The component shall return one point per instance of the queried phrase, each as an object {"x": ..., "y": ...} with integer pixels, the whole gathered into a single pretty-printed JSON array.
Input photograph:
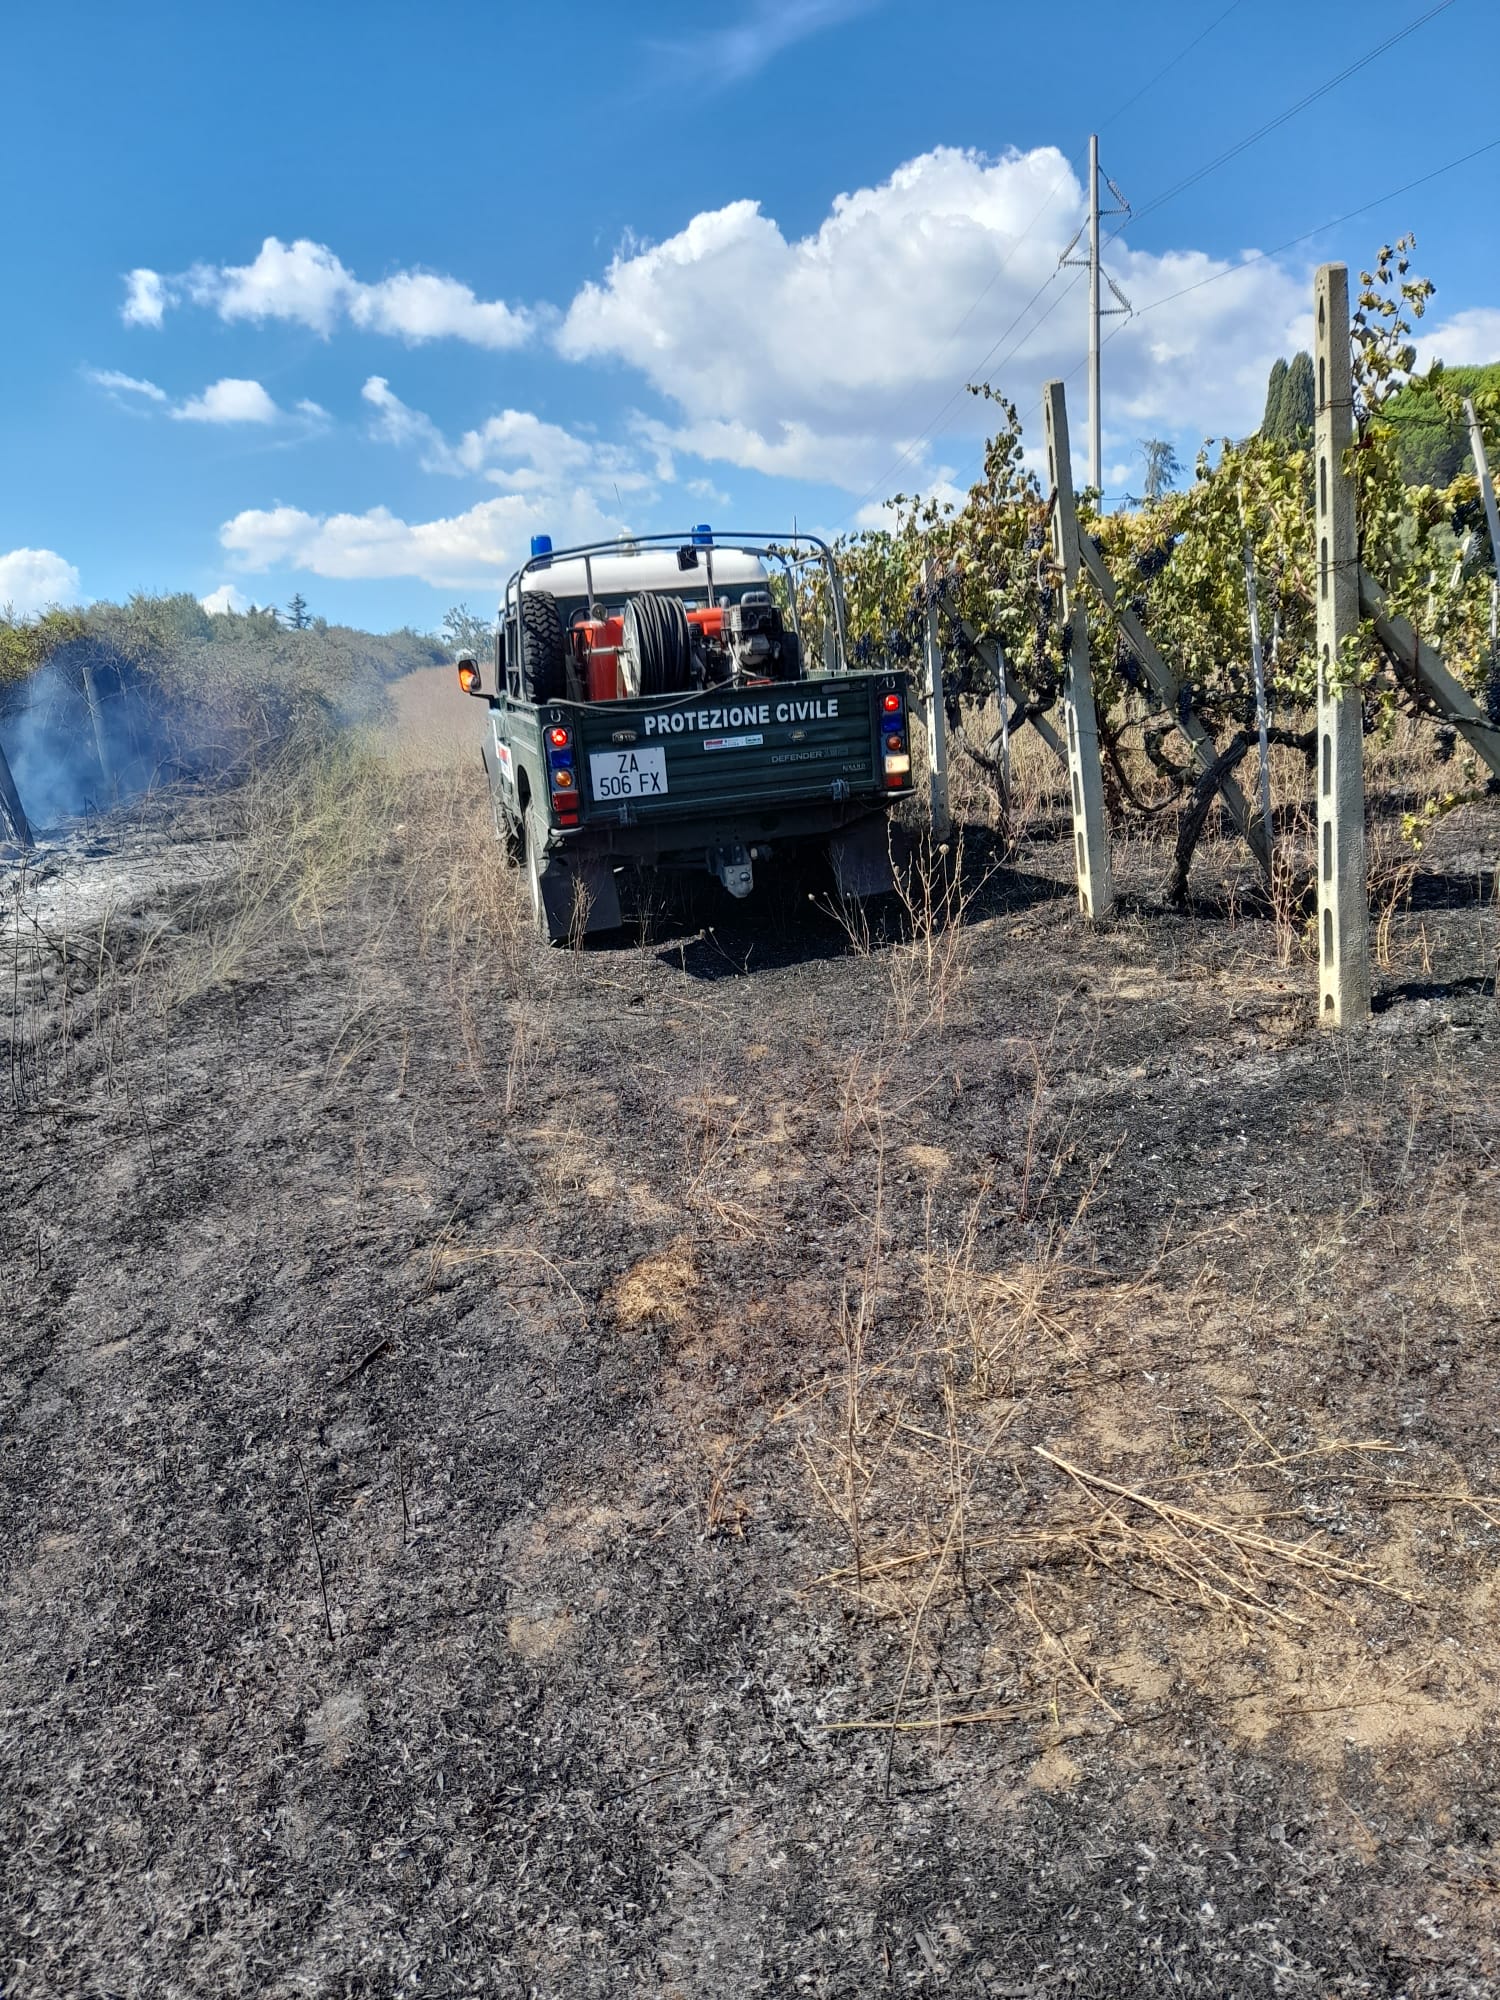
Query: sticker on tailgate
[{"x": 628, "y": 774}]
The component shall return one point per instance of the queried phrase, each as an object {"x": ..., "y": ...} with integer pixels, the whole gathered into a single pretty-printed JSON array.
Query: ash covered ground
[{"x": 525, "y": 1470}]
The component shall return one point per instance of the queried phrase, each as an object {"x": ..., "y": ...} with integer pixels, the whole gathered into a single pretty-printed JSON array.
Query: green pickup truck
[{"x": 685, "y": 702}]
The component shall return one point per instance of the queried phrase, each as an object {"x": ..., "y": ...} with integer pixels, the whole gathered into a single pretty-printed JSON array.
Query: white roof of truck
[{"x": 617, "y": 575}]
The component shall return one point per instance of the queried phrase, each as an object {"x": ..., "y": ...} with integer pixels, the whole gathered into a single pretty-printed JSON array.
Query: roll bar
[{"x": 789, "y": 550}]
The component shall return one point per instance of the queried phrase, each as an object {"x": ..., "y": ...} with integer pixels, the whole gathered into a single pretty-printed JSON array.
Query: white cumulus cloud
[
  {"x": 230, "y": 401},
  {"x": 145, "y": 299},
  {"x": 572, "y": 487},
  {"x": 225, "y": 598},
  {"x": 31, "y": 579},
  {"x": 1470, "y": 339},
  {"x": 819, "y": 356},
  {"x": 418, "y": 305},
  {"x": 303, "y": 282},
  {"x": 306, "y": 284},
  {"x": 471, "y": 549},
  {"x": 514, "y": 449}
]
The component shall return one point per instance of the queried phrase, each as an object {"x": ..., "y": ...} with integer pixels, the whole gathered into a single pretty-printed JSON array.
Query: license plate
[{"x": 628, "y": 774}]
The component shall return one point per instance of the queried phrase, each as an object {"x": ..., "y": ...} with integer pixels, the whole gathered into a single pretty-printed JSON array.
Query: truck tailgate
[{"x": 689, "y": 753}]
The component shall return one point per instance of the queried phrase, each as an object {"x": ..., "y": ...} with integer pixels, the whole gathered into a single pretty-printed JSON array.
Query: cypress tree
[
  {"x": 1270, "y": 423},
  {"x": 1299, "y": 408}
]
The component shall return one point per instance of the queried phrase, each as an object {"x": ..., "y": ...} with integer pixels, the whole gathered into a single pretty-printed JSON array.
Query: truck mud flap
[
  {"x": 861, "y": 856},
  {"x": 565, "y": 880}
]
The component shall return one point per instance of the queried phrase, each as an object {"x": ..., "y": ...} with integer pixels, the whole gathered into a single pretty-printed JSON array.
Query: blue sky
[{"x": 411, "y": 282}]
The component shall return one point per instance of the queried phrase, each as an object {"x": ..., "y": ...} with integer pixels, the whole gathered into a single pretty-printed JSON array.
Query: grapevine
[{"x": 1179, "y": 563}]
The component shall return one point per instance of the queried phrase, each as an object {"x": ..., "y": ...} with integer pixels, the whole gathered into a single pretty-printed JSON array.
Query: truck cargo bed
[{"x": 682, "y": 755}]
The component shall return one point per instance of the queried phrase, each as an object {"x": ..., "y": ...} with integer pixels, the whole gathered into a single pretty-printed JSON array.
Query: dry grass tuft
[{"x": 660, "y": 1289}]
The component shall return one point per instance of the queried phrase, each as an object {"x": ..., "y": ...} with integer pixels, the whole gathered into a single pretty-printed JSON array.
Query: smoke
[
  {"x": 157, "y": 691},
  {"x": 71, "y": 755}
]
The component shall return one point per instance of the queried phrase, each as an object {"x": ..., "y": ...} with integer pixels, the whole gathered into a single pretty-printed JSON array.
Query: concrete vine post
[
  {"x": 1492, "y": 519},
  {"x": 1343, "y": 896},
  {"x": 1096, "y": 889}
]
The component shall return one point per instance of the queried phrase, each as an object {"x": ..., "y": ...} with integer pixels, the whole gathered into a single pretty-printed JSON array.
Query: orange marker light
[{"x": 468, "y": 677}]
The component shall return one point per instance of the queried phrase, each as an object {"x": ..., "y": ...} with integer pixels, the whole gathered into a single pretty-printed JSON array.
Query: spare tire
[
  {"x": 656, "y": 649},
  {"x": 544, "y": 651}
]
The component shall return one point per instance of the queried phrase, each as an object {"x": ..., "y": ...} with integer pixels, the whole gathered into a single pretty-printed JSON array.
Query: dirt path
[{"x": 480, "y": 1426}]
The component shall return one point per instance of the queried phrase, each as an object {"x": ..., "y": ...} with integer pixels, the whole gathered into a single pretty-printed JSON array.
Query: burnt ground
[{"x": 522, "y": 1469}]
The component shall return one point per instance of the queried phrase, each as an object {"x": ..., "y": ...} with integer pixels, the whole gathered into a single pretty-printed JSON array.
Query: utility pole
[
  {"x": 1097, "y": 312},
  {"x": 1096, "y": 447}
]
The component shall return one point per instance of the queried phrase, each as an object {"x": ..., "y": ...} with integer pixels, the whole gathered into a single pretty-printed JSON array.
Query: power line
[
  {"x": 1265, "y": 256},
  {"x": 922, "y": 437},
  {"x": 1167, "y": 68},
  {"x": 1004, "y": 264},
  {"x": 1201, "y": 173},
  {"x": 1006, "y": 359},
  {"x": 970, "y": 374},
  {"x": 1284, "y": 117},
  {"x": 1118, "y": 113},
  {"x": 1159, "y": 201}
]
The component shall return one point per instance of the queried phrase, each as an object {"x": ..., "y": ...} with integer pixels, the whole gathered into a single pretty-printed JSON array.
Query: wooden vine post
[
  {"x": 1096, "y": 890},
  {"x": 1343, "y": 900},
  {"x": 101, "y": 737},
  {"x": 11, "y": 809}
]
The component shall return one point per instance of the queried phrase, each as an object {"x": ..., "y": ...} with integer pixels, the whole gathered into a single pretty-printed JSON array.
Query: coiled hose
[{"x": 656, "y": 649}]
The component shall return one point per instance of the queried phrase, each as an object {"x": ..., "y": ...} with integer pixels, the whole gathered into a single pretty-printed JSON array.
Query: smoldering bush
[{"x": 103, "y": 705}]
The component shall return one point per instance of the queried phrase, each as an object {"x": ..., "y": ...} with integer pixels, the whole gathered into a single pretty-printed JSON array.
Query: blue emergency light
[
  {"x": 703, "y": 536},
  {"x": 541, "y": 545}
]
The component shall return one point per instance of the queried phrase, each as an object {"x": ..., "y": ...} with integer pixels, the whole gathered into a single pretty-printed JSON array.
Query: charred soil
[{"x": 761, "y": 1459}]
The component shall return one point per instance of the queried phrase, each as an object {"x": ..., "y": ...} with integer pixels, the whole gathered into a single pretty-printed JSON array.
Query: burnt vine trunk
[{"x": 1190, "y": 829}]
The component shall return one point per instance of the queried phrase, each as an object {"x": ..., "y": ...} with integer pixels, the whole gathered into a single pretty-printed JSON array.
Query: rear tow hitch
[{"x": 731, "y": 863}]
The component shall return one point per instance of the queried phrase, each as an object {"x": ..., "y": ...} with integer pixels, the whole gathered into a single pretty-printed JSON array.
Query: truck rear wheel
[
  {"x": 544, "y": 651},
  {"x": 656, "y": 650},
  {"x": 543, "y": 921},
  {"x": 508, "y": 831}
]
